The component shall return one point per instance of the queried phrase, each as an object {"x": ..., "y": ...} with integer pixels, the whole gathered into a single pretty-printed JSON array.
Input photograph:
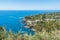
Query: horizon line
[{"x": 22, "y": 10}]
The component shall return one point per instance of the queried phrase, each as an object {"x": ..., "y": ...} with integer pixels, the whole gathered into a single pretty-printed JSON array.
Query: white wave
[
  {"x": 20, "y": 17},
  {"x": 12, "y": 17},
  {"x": 15, "y": 17}
]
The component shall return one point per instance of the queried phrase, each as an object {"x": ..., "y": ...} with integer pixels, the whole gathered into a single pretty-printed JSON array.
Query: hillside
[{"x": 47, "y": 21}]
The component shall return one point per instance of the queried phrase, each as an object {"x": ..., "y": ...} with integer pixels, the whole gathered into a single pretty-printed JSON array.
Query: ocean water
[{"x": 11, "y": 19}]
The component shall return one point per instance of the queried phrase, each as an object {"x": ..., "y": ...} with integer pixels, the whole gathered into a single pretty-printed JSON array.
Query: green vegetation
[
  {"x": 52, "y": 15},
  {"x": 43, "y": 35},
  {"x": 48, "y": 22},
  {"x": 47, "y": 28}
]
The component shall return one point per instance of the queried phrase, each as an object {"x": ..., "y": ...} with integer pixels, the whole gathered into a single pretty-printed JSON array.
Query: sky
[{"x": 29, "y": 4}]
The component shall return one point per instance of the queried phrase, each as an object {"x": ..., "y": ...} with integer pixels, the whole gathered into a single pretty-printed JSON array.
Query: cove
[{"x": 11, "y": 19}]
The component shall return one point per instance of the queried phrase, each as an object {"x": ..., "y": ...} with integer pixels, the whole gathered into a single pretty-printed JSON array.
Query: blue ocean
[{"x": 11, "y": 19}]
